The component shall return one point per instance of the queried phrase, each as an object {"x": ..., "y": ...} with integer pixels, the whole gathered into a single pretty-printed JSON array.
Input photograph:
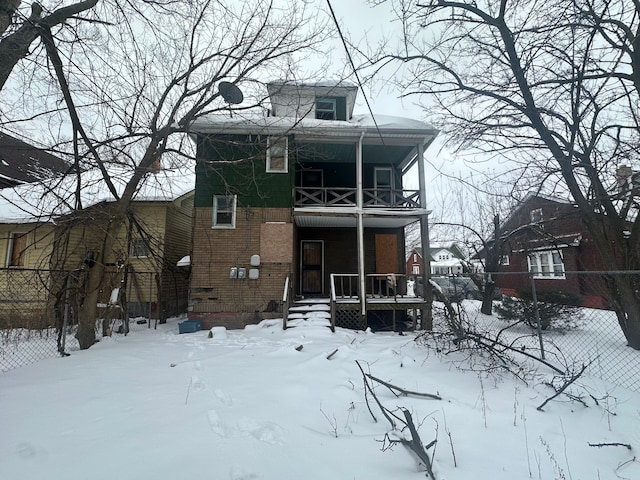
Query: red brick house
[{"x": 546, "y": 236}]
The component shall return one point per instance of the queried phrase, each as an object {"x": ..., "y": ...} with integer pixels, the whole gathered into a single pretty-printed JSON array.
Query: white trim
[
  {"x": 234, "y": 202},
  {"x": 549, "y": 263},
  {"x": 272, "y": 144}
]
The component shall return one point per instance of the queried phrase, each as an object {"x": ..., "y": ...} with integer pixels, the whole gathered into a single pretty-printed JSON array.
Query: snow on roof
[
  {"x": 53, "y": 197},
  {"x": 267, "y": 125}
]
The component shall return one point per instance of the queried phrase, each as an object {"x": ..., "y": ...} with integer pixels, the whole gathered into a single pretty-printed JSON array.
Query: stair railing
[{"x": 286, "y": 301}]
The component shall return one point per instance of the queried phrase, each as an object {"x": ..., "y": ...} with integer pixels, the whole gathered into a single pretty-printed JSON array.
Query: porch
[
  {"x": 385, "y": 296},
  {"x": 346, "y": 197}
]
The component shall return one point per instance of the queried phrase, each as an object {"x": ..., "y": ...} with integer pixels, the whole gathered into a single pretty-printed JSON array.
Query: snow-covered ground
[{"x": 252, "y": 404}]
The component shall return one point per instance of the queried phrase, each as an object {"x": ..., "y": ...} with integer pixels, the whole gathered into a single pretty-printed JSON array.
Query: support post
[
  {"x": 360, "y": 229},
  {"x": 427, "y": 318}
]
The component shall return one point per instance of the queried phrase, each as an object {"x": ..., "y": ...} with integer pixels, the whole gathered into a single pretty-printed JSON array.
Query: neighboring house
[
  {"x": 309, "y": 196},
  {"x": 43, "y": 240},
  {"x": 445, "y": 260},
  {"x": 546, "y": 236},
  {"x": 24, "y": 163},
  {"x": 415, "y": 263}
]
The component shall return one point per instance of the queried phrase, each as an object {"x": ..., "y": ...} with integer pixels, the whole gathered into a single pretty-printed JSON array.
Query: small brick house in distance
[
  {"x": 546, "y": 236},
  {"x": 304, "y": 201}
]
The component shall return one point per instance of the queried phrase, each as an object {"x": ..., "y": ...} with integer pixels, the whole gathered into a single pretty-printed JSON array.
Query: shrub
[{"x": 555, "y": 309}]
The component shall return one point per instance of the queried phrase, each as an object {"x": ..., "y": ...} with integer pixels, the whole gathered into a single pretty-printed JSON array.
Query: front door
[
  {"x": 312, "y": 264},
  {"x": 383, "y": 178}
]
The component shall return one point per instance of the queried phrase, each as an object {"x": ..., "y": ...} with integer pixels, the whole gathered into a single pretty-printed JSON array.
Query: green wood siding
[{"x": 236, "y": 165}]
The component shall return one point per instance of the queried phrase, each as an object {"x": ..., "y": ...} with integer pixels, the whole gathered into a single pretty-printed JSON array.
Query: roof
[
  {"x": 371, "y": 127},
  {"x": 49, "y": 199},
  {"x": 530, "y": 196},
  {"x": 21, "y": 162}
]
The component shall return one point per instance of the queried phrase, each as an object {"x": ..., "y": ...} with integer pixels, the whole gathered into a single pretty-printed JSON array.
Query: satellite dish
[{"x": 231, "y": 93}]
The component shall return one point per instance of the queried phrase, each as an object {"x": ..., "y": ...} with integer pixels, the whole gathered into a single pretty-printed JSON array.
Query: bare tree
[
  {"x": 132, "y": 87},
  {"x": 16, "y": 45},
  {"x": 555, "y": 88}
]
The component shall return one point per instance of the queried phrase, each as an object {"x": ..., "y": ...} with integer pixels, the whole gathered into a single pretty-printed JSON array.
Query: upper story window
[
  {"x": 277, "y": 154},
  {"x": 17, "y": 247},
  {"x": 224, "y": 211},
  {"x": 546, "y": 264},
  {"x": 139, "y": 248},
  {"x": 536, "y": 215},
  {"x": 326, "y": 108}
]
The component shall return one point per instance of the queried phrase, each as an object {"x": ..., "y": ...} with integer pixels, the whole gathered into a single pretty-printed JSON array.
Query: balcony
[{"x": 346, "y": 197}]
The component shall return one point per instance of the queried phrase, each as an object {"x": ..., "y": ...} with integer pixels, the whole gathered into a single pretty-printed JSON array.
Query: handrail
[
  {"x": 285, "y": 303},
  {"x": 346, "y": 197}
]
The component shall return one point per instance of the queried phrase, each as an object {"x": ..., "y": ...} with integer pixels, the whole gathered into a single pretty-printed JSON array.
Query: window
[
  {"x": 415, "y": 269},
  {"x": 383, "y": 179},
  {"x": 536, "y": 215},
  {"x": 326, "y": 108},
  {"x": 504, "y": 260},
  {"x": 139, "y": 248},
  {"x": 17, "y": 247},
  {"x": 546, "y": 264},
  {"x": 224, "y": 211},
  {"x": 277, "y": 155}
]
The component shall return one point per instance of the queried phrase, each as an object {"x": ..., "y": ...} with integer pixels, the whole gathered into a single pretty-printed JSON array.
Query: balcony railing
[{"x": 346, "y": 197}]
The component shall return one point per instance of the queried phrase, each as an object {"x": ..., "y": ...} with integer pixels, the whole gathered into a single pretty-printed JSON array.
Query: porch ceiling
[{"x": 328, "y": 220}]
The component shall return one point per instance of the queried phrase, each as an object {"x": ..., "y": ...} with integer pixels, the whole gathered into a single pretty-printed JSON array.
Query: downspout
[
  {"x": 427, "y": 320},
  {"x": 360, "y": 229}
]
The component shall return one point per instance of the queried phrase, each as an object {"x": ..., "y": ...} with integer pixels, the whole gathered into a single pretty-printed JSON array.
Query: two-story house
[
  {"x": 304, "y": 202},
  {"x": 544, "y": 236},
  {"x": 445, "y": 259}
]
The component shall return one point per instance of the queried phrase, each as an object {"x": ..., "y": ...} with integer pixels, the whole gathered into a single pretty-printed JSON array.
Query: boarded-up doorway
[
  {"x": 386, "y": 253},
  {"x": 312, "y": 263}
]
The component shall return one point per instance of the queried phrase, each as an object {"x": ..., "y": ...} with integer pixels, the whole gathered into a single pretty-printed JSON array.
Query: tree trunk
[
  {"x": 626, "y": 304},
  {"x": 492, "y": 264},
  {"x": 95, "y": 278},
  {"x": 487, "y": 298},
  {"x": 16, "y": 46}
]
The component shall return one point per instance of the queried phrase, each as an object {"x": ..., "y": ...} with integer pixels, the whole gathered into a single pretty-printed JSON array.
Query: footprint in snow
[
  {"x": 240, "y": 473},
  {"x": 223, "y": 397},
  {"x": 267, "y": 432},
  {"x": 216, "y": 424}
]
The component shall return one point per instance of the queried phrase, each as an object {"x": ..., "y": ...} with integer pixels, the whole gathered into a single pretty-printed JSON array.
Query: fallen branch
[
  {"x": 402, "y": 391},
  {"x": 490, "y": 345},
  {"x": 564, "y": 387},
  {"x": 614, "y": 444},
  {"x": 332, "y": 354},
  {"x": 415, "y": 444}
]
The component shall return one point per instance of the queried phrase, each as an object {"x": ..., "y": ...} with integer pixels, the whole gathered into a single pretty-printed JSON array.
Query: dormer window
[
  {"x": 326, "y": 108},
  {"x": 536, "y": 215}
]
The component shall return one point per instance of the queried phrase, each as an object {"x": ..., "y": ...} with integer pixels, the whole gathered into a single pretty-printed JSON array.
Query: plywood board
[{"x": 276, "y": 242}]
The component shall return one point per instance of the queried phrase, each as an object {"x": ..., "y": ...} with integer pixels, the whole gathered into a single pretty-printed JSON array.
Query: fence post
[
  {"x": 65, "y": 317},
  {"x": 536, "y": 313},
  {"x": 150, "y": 293}
]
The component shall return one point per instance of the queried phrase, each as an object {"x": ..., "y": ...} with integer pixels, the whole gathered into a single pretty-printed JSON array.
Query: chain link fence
[
  {"x": 39, "y": 311},
  {"x": 565, "y": 318}
]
